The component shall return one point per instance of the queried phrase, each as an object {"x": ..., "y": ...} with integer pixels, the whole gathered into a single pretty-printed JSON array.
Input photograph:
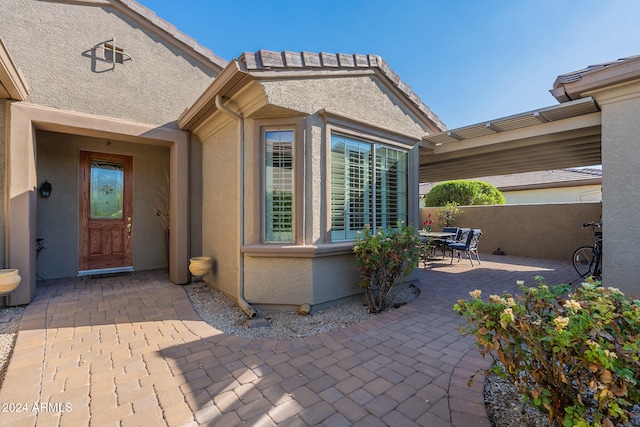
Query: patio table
[
  {"x": 429, "y": 253},
  {"x": 437, "y": 234}
]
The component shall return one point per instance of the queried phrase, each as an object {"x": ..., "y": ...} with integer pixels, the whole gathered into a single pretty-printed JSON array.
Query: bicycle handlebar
[{"x": 592, "y": 224}]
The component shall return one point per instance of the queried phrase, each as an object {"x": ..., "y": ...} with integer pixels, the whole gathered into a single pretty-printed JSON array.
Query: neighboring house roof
[
  {"x": 573, "y": 85},
  {"x": 269, "y": 64},
  {"x": 146, "y": 17},
  {"x": 536, "y": 180}
]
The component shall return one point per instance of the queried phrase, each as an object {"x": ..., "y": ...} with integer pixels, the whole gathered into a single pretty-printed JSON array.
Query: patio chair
[
  {"x": 442, "y": 243},
  {"x": 468, "y": 245}
]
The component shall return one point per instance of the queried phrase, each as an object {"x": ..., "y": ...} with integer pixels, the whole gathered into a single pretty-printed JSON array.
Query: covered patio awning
[{"x": 560, "y": 136}]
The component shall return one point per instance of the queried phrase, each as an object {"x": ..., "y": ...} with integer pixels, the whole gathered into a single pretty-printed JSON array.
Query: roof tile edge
[
  {"x": 150, "y": 16},
  {"x": 269, "y": 60}
]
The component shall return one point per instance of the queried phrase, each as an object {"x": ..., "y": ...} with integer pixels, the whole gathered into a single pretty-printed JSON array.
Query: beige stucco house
[
  {"x": 291, "y": 144},
  {"x": 103, "y": 100},
  {"x": 274, "y": 160}
]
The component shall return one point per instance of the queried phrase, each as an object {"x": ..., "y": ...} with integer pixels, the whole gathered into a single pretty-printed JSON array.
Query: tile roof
[
  {"x": 270, "y": 60},
  {"x": 577, "y": 75},
  {"x": 540, "y": 179}
]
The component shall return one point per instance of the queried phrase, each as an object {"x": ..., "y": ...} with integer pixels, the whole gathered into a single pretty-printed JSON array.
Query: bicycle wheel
[{"x": 582, "y": 260}]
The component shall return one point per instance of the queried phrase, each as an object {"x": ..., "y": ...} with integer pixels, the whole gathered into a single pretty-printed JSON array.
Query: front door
[{"x": 106, "y": 213}]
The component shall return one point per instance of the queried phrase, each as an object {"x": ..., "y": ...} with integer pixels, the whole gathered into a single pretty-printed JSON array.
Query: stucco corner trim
[
  {"x": 11, "y": 79},
  {"x": 298, "y": 251}
]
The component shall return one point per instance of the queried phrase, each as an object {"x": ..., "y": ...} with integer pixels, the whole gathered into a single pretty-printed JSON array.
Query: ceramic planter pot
[
  {"x": 200, "y": 265},
  {"x": 9, "y": 280}
]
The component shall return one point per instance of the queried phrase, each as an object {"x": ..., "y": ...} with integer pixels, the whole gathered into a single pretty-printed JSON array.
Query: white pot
[
  {"x": 9, "y": 280},
  {"x": 200, "y": 265}
]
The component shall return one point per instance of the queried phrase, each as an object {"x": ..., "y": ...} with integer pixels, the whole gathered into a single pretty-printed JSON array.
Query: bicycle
[{"x": 587, "y": 260}]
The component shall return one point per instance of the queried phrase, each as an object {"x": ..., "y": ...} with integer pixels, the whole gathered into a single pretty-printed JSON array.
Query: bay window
[{"x": 369, "y": 185}]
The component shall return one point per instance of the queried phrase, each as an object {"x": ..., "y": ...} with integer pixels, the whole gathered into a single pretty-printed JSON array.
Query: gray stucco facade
[{"x": 60, "y": 49}]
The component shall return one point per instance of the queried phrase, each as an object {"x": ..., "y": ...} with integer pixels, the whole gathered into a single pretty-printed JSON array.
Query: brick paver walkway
[{"x": 130, "y": 351}]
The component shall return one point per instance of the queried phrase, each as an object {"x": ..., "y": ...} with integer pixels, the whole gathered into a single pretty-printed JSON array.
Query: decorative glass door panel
[
  {"x": 107, "y": 185},
  {"x": 106, "y": 213}
]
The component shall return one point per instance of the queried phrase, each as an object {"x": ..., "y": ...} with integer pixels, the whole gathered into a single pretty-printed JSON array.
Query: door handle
[{"x": 129, "y": 225}]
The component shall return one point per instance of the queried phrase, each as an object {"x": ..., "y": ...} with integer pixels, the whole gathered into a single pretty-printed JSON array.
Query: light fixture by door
[{"x": 45, "y": 189}]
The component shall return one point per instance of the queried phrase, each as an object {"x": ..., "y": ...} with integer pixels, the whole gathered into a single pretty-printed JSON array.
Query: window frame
[
  {"x": 339, "y": 124},
  {"x": 277, "y": 125},
  {"x": 374, "y": 195}
]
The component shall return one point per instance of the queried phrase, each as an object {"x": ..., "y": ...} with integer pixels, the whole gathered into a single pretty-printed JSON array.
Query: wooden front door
[{"x": 106, "y": 213}]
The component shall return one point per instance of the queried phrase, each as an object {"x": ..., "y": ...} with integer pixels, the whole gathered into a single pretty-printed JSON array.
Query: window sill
[{"x": 298, "y": 251}]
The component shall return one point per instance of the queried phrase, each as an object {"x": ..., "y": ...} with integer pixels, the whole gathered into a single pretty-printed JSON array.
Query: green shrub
[
  {"x": 384, "y": 259},
  {"x": 463, "y": 193},
  {"x": 448, "y": 214},
  {"x": 575, "y": 357}
]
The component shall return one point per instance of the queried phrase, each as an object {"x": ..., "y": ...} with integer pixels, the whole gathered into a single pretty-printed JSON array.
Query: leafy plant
[
  {"x": 384, "y": 259},
  {"x": 448, "y": 214},
  {"x": 463, "y": 193},
  {"x": 574, "y": 357},
  {"x": 428, "y": 223}
]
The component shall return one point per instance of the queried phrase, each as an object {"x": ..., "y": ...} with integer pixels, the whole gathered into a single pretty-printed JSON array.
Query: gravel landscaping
[
  {"x": 223, "y": 314},
  {"x": 9, "y": 324}
]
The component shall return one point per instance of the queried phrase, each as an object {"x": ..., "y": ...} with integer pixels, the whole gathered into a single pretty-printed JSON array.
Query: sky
[{"x": 470, "y": 61}]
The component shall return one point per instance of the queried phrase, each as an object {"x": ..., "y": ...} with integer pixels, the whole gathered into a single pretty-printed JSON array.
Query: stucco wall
[
  {"x": 2, "y": 174},
  {"x": 582, "y": 193},
  {"x": 284, "y": 282},
  {"x": 57, "y": 216},
  {"x": 53, "y": 44},
  {"x": 621, "y": 166},
  {"x": 220, "y": 214},
  {"x": 363, "y": 98},
  {"x": 278, "y": 281},
  {"x": 335, "y": 277},
  {"x": 550, "y": 231}
]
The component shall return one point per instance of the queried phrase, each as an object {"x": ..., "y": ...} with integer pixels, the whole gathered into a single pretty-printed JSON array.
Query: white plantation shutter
[
  {"x": 364, "y": 192},
  {"x": 391, "y": 187},
  {"x": 279, "y": 186}
]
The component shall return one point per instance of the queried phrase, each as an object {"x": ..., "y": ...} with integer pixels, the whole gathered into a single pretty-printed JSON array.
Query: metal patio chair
[{"x": 469, "y": 245}]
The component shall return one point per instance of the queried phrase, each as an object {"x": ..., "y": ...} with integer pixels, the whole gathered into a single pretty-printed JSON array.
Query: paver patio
[{"x": 130, "y": 351}]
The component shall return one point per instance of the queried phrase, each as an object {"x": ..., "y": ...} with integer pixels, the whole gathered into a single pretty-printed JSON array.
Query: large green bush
[
  {"x": 463, "y": 193},
  {"x": 575, "y": 357},
  {"x": 384, "y": 259}
]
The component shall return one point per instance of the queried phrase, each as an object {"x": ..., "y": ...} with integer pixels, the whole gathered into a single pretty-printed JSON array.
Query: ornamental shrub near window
[
  {"x": 573, "y": 356},
  {"x": 384, "y": 259}
]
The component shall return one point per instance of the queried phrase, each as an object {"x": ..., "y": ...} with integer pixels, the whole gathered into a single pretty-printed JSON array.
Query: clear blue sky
[{"x": 469, "y": 61}]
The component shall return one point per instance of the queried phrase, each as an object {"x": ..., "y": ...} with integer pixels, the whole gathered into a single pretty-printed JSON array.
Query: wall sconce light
[{"x": 45, "y": 189}]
